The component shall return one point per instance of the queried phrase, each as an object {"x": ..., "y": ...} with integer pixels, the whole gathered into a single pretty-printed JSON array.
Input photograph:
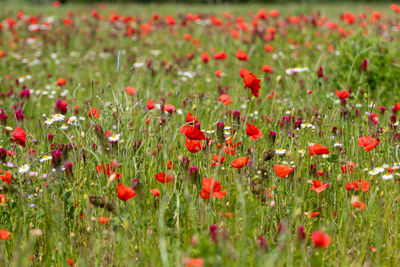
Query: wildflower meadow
[{"x": 199, "y": 135}]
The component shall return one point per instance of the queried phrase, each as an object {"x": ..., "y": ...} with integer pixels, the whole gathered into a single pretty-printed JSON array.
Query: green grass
[{"x": 50, "y": 217}]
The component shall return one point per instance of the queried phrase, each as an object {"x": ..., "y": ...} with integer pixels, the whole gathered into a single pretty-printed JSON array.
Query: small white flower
[
  {"x": 73, "y": 121},
  {"x": 302, "y": 151},
  {"x": 227, "y": 128},
  {"x": 138, "y": 64},
  {"x": 23, "y": 169},
  {"x": 280, "y": 151},
  {"x": 337, "y": 144},
  {"x": 210, "y": 131},
  {"x": 49, "y": 121},
  {"x": 372, "y": 172},
  {"x": 114, "y": 138},
  {"x": 64, "y": 127},
  {"x": 387, "y": 176},
  {"x": 379, "y": 169},
  {"x": 58, "y": 117},
  {"x": 307, "y": 125},
  {"x": 325, "y": 156},
  {"x": 45, "y": 158}
]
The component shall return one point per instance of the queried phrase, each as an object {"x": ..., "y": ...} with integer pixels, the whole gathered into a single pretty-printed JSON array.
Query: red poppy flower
[
  {"x": 359, "y": 205},
  {"x": 211, "y": 185},
  {"x": 321, "y": 239},
  {"x": 155, "y": 192},
  {"x": 105, "y": 168},
  {"x": 190, "y": 118},
  {"x": 349, "y": 167},
  {"x": 125, "y": 192},
  {"x": 103, "y": 220},
  {"x": 6, "y": 177},
  {"x": 282, "y": 170},
  {"x": 163, "y": 178},
  {"x": 267, "y": 69},
  {"x": 192, "y": 133},
  {"x": 253, "y": 131},
  {"x": 61, "y": 82},
  {"x": 19, "y": 136},
  {"x": 170, "y": 20},
  {"x": 318, "y": 186},
  {"x": 195, "y": 262},
  {"x": 240, "y": 162},
  {"x": 250, "y": 81},
  {"x": 94, "y": 113},
  {"x": 367, "y": 142},
  {"x": 225, "y": 99},
  {"x": 193, "y": 146},
  {"x": 357, "y": 185},
  {"x": 150, "y": 104},
  {"x": 220, "y": 55},
  {"x": 205, "y": 57},
  {"x": 5, "y": 235},
  {"x": 217, "y": 160},
  {"x": 268, "y": 48},
  {"x": 218, "y": 73},
  {"x": 70, "y": 262},
  {"x": 3, "y": 198},
  {"x": 342, "y": 94},
  {"x": 395, "y": 8},
  {"x": 130, "y": 90},
  {"x": 169, "y": 108},
  {"x": 241, "y": 55},
  {"x": 317, "y": 149}
]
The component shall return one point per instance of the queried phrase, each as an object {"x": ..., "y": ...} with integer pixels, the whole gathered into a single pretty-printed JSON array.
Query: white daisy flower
[
  {"x": 114, "y": 138},
  {"x": 45, "y": 158},
  {"x": 23, "y": 168},
  {"x": 379, "y": 169},
  {"x": 337, "y": 144},
  {"x": 64, "y": 127},
  {"x": 387, "y": 176},
  {"x": 73, "y": 121},
  {"x": 372, "y": 172},
  {"x": 49, "y": 121},
  {"x": 280, "y": 151},
  {"x": 58, "y": 117},
  {"x": 210, "y": 131},
  {"x": 302, "y": 151},
  {"x": 307, "y": 125}
]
